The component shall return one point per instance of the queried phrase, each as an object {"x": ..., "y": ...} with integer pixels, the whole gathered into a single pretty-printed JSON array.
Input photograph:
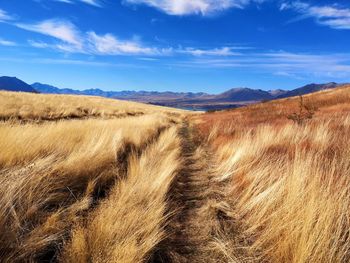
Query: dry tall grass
[
  {"x": 43, "y": 107},
  {"x": 289, "y": 190},
  {"x": 73, "y": 141},
  {"x": 254, "y": 187},
  {"x": 52, "y": 173},
  {"x": 87, "y": 190},
  {"x": 286, "y": 187},
  {"x": 229, "y": 125},
  {"x": 130, "y": 223}
]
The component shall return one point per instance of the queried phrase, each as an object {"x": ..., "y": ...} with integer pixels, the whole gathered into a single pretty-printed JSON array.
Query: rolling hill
[
  {"x": 15, "y": 84},
  {"x": 309, "y": 89},
  {"x": 286, "y": 183}
]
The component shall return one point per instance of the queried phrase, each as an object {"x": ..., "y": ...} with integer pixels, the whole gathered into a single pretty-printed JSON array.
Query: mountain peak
[
  {"x": 15, "y": 84},
  {"x": 244, "y": 94}
]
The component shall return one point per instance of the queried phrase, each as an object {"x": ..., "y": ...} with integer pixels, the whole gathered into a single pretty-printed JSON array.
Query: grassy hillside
[
  {"x": 42, "y": 107},
  {"x": 286, "y": 187},
  {"x": 68, "y": 164},
  {"x": 86, "y": 179},
  {"x": 226, "y": 125}
]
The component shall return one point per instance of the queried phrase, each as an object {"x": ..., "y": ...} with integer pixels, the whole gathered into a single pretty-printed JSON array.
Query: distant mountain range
[
  {"x": 199, "y": 101},
  {"x": 148, "y": 96}
]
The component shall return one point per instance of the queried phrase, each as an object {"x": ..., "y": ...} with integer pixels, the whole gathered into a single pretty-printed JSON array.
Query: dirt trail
[{"x": 193, "y": 207}]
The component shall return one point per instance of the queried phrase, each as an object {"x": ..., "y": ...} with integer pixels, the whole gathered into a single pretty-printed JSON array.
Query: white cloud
[
  {"x": 59, "y": 29},
  {"x": 69, "y": 39},
  {"x": 337, "y": 23},
  {"x": 329, "y": 15},
  {"x": 65, "y": 1},
  {"x": 72, "y": 62},
  {"x": 110, "y": 45},
  {"x": 284, "y": 74},
  {"x": 63, "y": 47},
  {"x": 38, "y": 44},
  {"x": 4, "y": 16},
  {"x": 224, "y": 51},
  {"x": 89, "y": 2},
  {"x": 72, "y": 40},
  {"x": 291, "y": 64},
  {"x": 8, "y": 43},
  {"x": 189, "y": 7}
]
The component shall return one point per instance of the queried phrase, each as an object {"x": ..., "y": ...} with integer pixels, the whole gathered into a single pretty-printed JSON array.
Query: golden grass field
[
  {"x": 87, "y": 179},
  {"x": 40, "y": 107}
]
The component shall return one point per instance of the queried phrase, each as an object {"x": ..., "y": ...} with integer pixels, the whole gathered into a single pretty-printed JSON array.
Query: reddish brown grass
[
  {"x": 227, "y": 125},
  {"x": 286, "y": 187}
]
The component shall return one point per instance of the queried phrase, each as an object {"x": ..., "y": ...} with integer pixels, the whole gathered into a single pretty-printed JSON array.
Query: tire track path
[{"x": 192, "y": 202}]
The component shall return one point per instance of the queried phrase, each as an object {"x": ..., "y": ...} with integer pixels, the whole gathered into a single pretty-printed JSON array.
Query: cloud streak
[
  {"x": 330, "y": 15},
  {"x": 193, "y": 7},
  {"x": 59, "y": 29},
  {"x": 224, "y": 52},
  {"x": 8, "y": 43},
  {"x": 89, "y": 2},
  {"x": 285, "y": 64},
  {"x": 71, "y": 40},
  {"x": 108, "y": 44},
  {"x": 4, "y": 16}
]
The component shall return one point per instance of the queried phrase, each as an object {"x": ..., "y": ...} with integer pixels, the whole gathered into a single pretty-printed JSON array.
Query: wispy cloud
[
  {"x": 279, "y": 63},
  {"x": 72, "y": 40},
  {"x": 59, "y": 29},
  {"x": 8, "y": 43},
  {"x": 285, "y": 74},
  {"x": 108, "y": 44},
  {"x": 72, "y": 62},
  {"x": 4, "y": 16},
  {"x": 329, "y": 15},
  {"x": 193, "y": 7},
  {"x": 224, "y": 51},
  {"x": 89, "y": 2}
]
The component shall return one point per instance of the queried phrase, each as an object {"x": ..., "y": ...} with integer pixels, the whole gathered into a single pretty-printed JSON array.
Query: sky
[{"x": 175, "y": 45}]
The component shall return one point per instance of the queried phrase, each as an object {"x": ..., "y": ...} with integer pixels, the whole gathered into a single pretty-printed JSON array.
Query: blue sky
[{"x": 179, "y": 45}]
